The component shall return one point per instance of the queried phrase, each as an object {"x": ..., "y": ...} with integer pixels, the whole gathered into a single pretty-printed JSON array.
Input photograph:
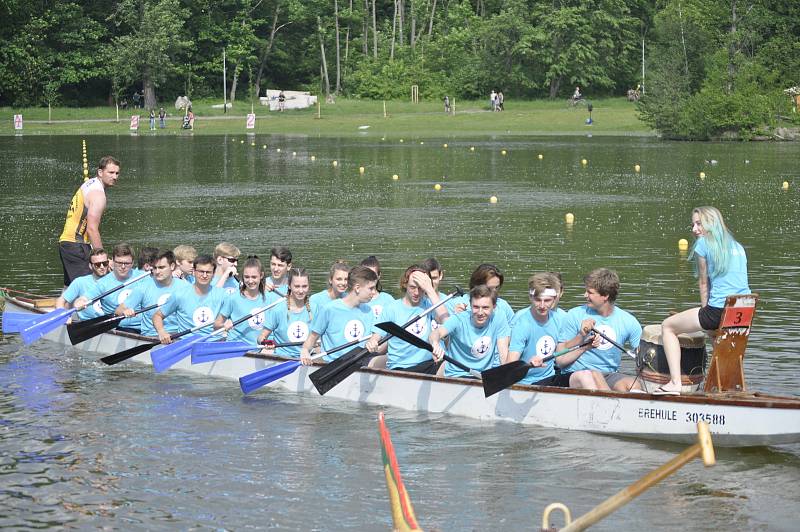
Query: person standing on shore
[
  {"x": 81, "y": 231},
  {"x": 162, "y": 118}
]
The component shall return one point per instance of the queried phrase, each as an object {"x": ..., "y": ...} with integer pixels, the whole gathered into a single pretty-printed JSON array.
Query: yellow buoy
[
  {"x": 584, "y": 162},
  {"x": 86, "y": 164},
  {"x": 637, "y": 168},
  {"x": 313, "y": 157},
  {"x": 702, "y": 175},
  {"x": 570, "y": 218},
  {"x": 493, "y": 199},
  {"x": 503, "y": 152},
  {"x": 395, "y": 177},
  {"x": 253, "y": 144},
  {"x": 241, "y": 142},
  {"x": 683, "y": 244},
  {"x": 264, "y": 147},
  {"x": 472, "y": 148},
  {"x": 85, "y": 172},
  {"x": 401, "y": 140},
  {"x": 785, "y": 185},
  {"x": 541, "y": 156},
  {"x": 278, "y": 150},
  {"x": 444, "y": 145},
  {"x": 361, "y": 169},
  {"x": 437, "y": 186},
  {"x": 294, "y": 154},
  {"x": 335, "y": 163},
  {"x": 422, "y": 142}
]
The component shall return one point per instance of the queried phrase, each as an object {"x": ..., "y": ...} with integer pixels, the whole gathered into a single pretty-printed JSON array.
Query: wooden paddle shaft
[{"x": 702, "y": 448}]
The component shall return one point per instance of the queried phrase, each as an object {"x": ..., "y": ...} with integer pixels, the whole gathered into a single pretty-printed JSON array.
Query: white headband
[{"x": 547, "y": 292}]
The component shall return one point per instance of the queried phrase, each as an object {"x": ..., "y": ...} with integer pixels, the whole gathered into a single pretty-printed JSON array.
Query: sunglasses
[
  {"x": 232, "y": 259},
  {"x": 101, "y": 263}
]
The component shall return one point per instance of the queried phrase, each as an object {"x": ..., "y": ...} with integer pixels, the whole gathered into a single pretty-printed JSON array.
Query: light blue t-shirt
[
  {"x": 620, "y": 326},
  {"x": 83, "y": 286},
  {"x": 735, "y": 279},
  {"x": 237, "y": 306},
  {"x": 501, "y": 307},
  {"x": 149, "y": 292},
  {"x": 192, "y": 309},
  {"x": 288, "y": 327},
  {"x": 338, "y": 324},
  {"x": 379, "y": 304},
  {"x": 531, "y": 338},
  {"x": 474, "y": 347},
  {"x": 401, "y": 354},
  {"x": 110, "y": 303},
  {"x": 319, "y": 300},
  {"x": 230, "y": 286}
]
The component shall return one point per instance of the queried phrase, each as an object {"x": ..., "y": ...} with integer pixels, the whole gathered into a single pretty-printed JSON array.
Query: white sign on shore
[
  {"x": 18, "y": 122},
  {"x": 134, "y": 122},
  {"x": 251, "y": 121}
]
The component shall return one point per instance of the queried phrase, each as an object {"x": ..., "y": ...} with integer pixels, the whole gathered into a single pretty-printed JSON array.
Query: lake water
[{"x": 87, "y": 446}]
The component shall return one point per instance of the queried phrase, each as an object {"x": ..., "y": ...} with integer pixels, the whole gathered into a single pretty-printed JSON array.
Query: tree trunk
[
  {"x": 729, "y": 86},
  {"x": 262, "y": 61},
  {"x": 366, "y": 28},
  {"x": 149, "y": 90},
  {"x": 374, "y": 32},
  {"x": 233, "y": 84},
  {"x": 413, "y": 33},
  {"x": 401, "y": 28},
  {"x": 394, "y": 31},
  {"x": 338, "y": 54},
  {"x": 555, "y": 84},
  {"x": 430, "y": 25},
  {"x": 347, "y": 39},
  {"x": 325, "y": 79}
]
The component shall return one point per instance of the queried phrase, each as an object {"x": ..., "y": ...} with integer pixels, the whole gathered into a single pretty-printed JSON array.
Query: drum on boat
[{"x": 652, "y": 362}]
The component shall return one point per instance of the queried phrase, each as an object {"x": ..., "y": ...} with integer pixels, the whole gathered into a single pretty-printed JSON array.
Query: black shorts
[
  {"x": 75, "y": 259},
  {"x": 559, "y": 379},
  {"x": 710, "y": 317},
  {"x": 429, "y": 367}
]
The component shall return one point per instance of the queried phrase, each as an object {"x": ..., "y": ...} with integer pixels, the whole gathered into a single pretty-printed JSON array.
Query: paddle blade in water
[
  {"x": 209, "y": 352},
  {"x": 254, "y": 381},
  {"x": 49, "y": 322},
  {"x": 14, "y": 322},
  {"x": 167, "y": 356},
  {"x": 122, "y": 356},
  {"x": 81, "y": 334},
  {"x": 501, "y": 377},
  {"x": 335, "y": 372}
]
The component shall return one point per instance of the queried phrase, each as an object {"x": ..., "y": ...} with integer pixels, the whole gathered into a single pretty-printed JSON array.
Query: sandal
[{"x": 661, "y": 391}]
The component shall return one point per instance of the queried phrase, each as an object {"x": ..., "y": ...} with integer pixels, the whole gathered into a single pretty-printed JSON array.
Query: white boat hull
[{"x": 735, "y": 420}]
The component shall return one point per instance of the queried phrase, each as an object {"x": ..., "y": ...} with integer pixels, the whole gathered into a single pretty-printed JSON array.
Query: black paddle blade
[
  {"x": 81, "y": 334},
  {"x": 395, "y": 330},
  {"x": 501, "y": 377},
  {"x": 116, "y": 358},
  {"x": 331, "y": 374}
]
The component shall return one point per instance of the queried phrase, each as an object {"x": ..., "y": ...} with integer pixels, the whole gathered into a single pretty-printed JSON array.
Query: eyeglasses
[
  {"x": 125, "y": 264},
  {"x": 203, "y": 272},
  {"x": 232, "y": 259},
  {"x": 101, "y": 263}
]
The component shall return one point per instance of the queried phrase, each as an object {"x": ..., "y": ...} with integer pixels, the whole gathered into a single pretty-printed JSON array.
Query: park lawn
[{"x": 612, "y": 116}]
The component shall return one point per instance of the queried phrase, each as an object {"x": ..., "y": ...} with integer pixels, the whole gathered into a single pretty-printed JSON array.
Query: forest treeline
[{"x": 707, "y": 66}]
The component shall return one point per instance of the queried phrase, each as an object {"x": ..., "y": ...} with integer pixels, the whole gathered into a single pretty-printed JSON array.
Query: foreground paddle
[
  {"x": 395, "y": 330},
  {"x": 403, "y": 517},
  {"x": 165, "y": 357},
  {"x": 83, "y": 330},
  {"x": 58, "y": 317},
  {"x": 262, "y": 377},
  {"x": 501, "y": 377},
  {"x": 14, "y": 322},
  {"x": 211, "y": 351},
  {"x": 335, "y": 372},
  {"x": 615, "y": 344},
  {"x": 122, "y": 356}
]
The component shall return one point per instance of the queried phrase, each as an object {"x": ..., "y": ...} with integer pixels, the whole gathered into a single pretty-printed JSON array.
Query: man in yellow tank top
[{"x": 82, "y": 226}]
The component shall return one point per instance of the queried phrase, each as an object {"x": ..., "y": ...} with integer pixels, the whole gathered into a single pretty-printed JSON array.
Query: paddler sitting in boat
[
  {"x": 479, "y": 337},
  {"x": 290, "y": 321},
  {"x": 184, "y": 259},
  {"x": 436, "y": 272},
  {"x": 491, "y": 276},
  {"x": 98, "y": 262},
  {"x": 534, "y": 334},
  {"x": 418, "y": 295},
  {"x": 154, "y": 290},
  {"x": 195, "y": 305},
  {"x": 381, "y": 298},
  {"x": 597, "y": 365},
  {"x": 120, "y": 272},
  {"x": 226, "y": 259},
  {"x": 337, "y": 286},
  {"x": 280, "y": 262},
  {"x": 249, "y": 297},
  {"x": 344, "y": 320}
]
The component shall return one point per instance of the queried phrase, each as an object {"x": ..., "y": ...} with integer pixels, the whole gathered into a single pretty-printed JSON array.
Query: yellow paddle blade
[{"x": 402, "y": 511}]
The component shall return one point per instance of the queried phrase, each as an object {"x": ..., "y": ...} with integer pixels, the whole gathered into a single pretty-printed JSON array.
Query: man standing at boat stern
[
  {"x": 81, "y": 231},
  {"x": 598, "y": 364}
]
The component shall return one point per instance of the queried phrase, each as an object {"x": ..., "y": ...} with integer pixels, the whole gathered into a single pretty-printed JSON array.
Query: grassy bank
[{"x": 613, "y": 116}]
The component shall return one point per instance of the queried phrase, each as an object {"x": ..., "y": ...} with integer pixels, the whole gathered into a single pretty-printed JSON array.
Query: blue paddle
[
  {"x": 58, "y": 317},
  {"x": 262, "y": 377},
  {"x": 167, "y": 356},
  {"x": 14, "y": 322},
  {"x": 211, "y": 351}
]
